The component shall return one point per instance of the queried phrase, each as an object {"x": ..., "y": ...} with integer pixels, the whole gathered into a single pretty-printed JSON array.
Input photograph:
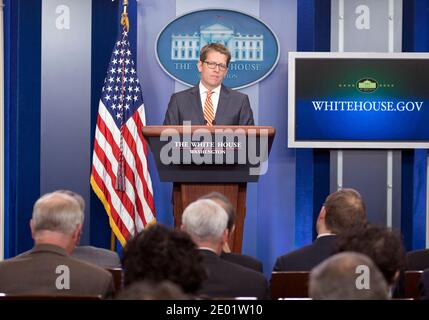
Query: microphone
[{"x": 213, "y": 122}]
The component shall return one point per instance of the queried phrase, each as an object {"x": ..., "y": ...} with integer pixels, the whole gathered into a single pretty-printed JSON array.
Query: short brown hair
[
  {"x": 344, "y": 210},
  {"x": 215, "y": 47}
]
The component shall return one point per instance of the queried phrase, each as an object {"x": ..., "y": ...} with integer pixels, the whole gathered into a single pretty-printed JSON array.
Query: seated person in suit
[
  {"x": 336, "y": 278},
  {"x": 210, "y": 102},
  {"x": 342, "y": 210},
  {"x": 241, "y": 259},
  {"x": 56, "y": 225},
  {"x": 418, "y": 259},
  {"x": 382, "y": 245},
  {"x": 206, "y": 222},
  {"x": 145, "y": 290},
  {"x": 158, "y": 253},
  {"x": 424, "y": 285},
  {"x": 415, "y": 261},
  {"x": 99, "y": 256}
]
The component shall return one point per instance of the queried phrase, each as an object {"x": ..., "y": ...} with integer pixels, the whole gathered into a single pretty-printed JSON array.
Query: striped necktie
[{"x": 208, "y": 109}]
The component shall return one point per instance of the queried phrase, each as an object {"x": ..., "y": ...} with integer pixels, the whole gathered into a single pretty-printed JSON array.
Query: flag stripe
[
  {"x": 119, "y": 222},
  {"x": 130, "y": 185},
  {"x": 131, "y": 162},
  {"x": 142, "y": 149},
  {"x": 101, "y": 195},
  {"x": 141, "y": 162},
  {"x": 121, "y": 202}
]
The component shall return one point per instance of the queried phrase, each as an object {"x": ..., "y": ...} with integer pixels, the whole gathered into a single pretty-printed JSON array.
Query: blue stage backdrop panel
[{"x": 22, "y": 108}]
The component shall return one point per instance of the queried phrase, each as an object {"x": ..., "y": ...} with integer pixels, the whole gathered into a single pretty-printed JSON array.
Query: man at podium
[{"x": 210, "y": 103}]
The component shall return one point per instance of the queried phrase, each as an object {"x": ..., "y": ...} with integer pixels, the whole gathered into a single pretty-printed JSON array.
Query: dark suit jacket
[
  {"x": 418, "y": 259},
  {"x": 415, "y": 260},
  {"x": 35, "y": 273},
  {"x": 101, "y": 257},
  {"x": 306, "y": 258},
  {"x": 233, "y": 108},
  {"x": 226, "y": 279},
  {"x": 243, "y": 260}
]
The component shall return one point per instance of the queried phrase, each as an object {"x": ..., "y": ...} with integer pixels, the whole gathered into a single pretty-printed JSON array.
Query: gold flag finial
[{"x": 124, "y": 16}]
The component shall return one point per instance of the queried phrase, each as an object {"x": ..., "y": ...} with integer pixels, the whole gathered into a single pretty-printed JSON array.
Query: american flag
[{"x": 120, "y": 175}]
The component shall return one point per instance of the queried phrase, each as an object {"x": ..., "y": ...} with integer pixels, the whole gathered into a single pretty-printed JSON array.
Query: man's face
[{"x": 212, "y": 78}]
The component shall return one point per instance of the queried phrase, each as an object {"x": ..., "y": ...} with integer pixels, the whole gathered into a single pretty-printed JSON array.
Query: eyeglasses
[{"x": 213, "y": 65}]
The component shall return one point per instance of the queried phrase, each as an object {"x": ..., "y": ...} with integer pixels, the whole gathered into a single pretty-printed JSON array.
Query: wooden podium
[{"x": 200, "y": 159}]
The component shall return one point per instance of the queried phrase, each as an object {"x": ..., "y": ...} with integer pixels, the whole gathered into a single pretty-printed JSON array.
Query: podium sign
[
  {"x": 201, "y": 159},
  {"x": 198, "y": 153}
]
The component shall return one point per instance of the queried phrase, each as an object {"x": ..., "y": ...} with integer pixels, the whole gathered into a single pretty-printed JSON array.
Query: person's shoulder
[
  {"x": 87, "y": 267},
  {"x": 99, "y": 256},
  {"x": 297, "y": 252},
  {"x": 242, "y": 259},
  {"x": 185, "y": 92},
  {"x": 421, "y": 253},
  {"x": 94, "y": 250},
  {"x": 243, "y": 272},
  {"x": 232, "y": 92},
  {"x": 7, "y": 263},
  {"x": 238, "y": 256},
  {"x": 417, "y": 259}
]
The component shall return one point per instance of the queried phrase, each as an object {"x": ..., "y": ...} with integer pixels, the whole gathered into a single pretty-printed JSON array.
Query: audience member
[
  {"x": 157, "y": 254},
  {"x": 241, "y": 259},
  {"x": 341, "y": 211},
  {"x": 417, "y": 259},
  {"x": 347, "y": 276},
  {"x": 144, "y": 290},
  {"x": 424, "y": 285},
  {"x": 206, "y": 222},
  {"x": 380, "y": 244},
  {"x": 56, "y": 226},
  {"x": 99, "y": 256}
]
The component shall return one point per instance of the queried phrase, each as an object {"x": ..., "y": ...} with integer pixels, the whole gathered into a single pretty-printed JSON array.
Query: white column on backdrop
[
  {"x": 389, "y": 182},
  {"x": 65, "y": 115},
  {"x": 367, "y": 26},
  {"x": 340, "y": 49},
  {"x": 427, "y": 201}
]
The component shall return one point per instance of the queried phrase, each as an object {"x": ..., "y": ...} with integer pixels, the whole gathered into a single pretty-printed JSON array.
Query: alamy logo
[
  {"x": 253, "y": 45},
  {"x": 62, "y": 282},
  {"x": 362, "y": 281}
]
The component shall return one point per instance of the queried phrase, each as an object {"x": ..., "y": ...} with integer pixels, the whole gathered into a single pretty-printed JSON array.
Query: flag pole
[{"x": 120, "y": 179}]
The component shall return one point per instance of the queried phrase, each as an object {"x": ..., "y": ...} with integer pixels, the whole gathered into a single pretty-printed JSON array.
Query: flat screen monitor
[{"x": 358, "y": 100}]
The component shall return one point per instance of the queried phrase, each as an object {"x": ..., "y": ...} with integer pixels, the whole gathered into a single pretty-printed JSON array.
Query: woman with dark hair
[{"x": 158, "y": 253}]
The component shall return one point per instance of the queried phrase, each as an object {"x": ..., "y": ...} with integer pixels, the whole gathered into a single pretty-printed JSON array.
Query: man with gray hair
[
  {"x": 347, "y": 276},
  {"x": 237, "y": 258},
  {"x": 56, "y": 226},
  {"x": 101, "y": 257},
  {"x": 206, "y": 222}
]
